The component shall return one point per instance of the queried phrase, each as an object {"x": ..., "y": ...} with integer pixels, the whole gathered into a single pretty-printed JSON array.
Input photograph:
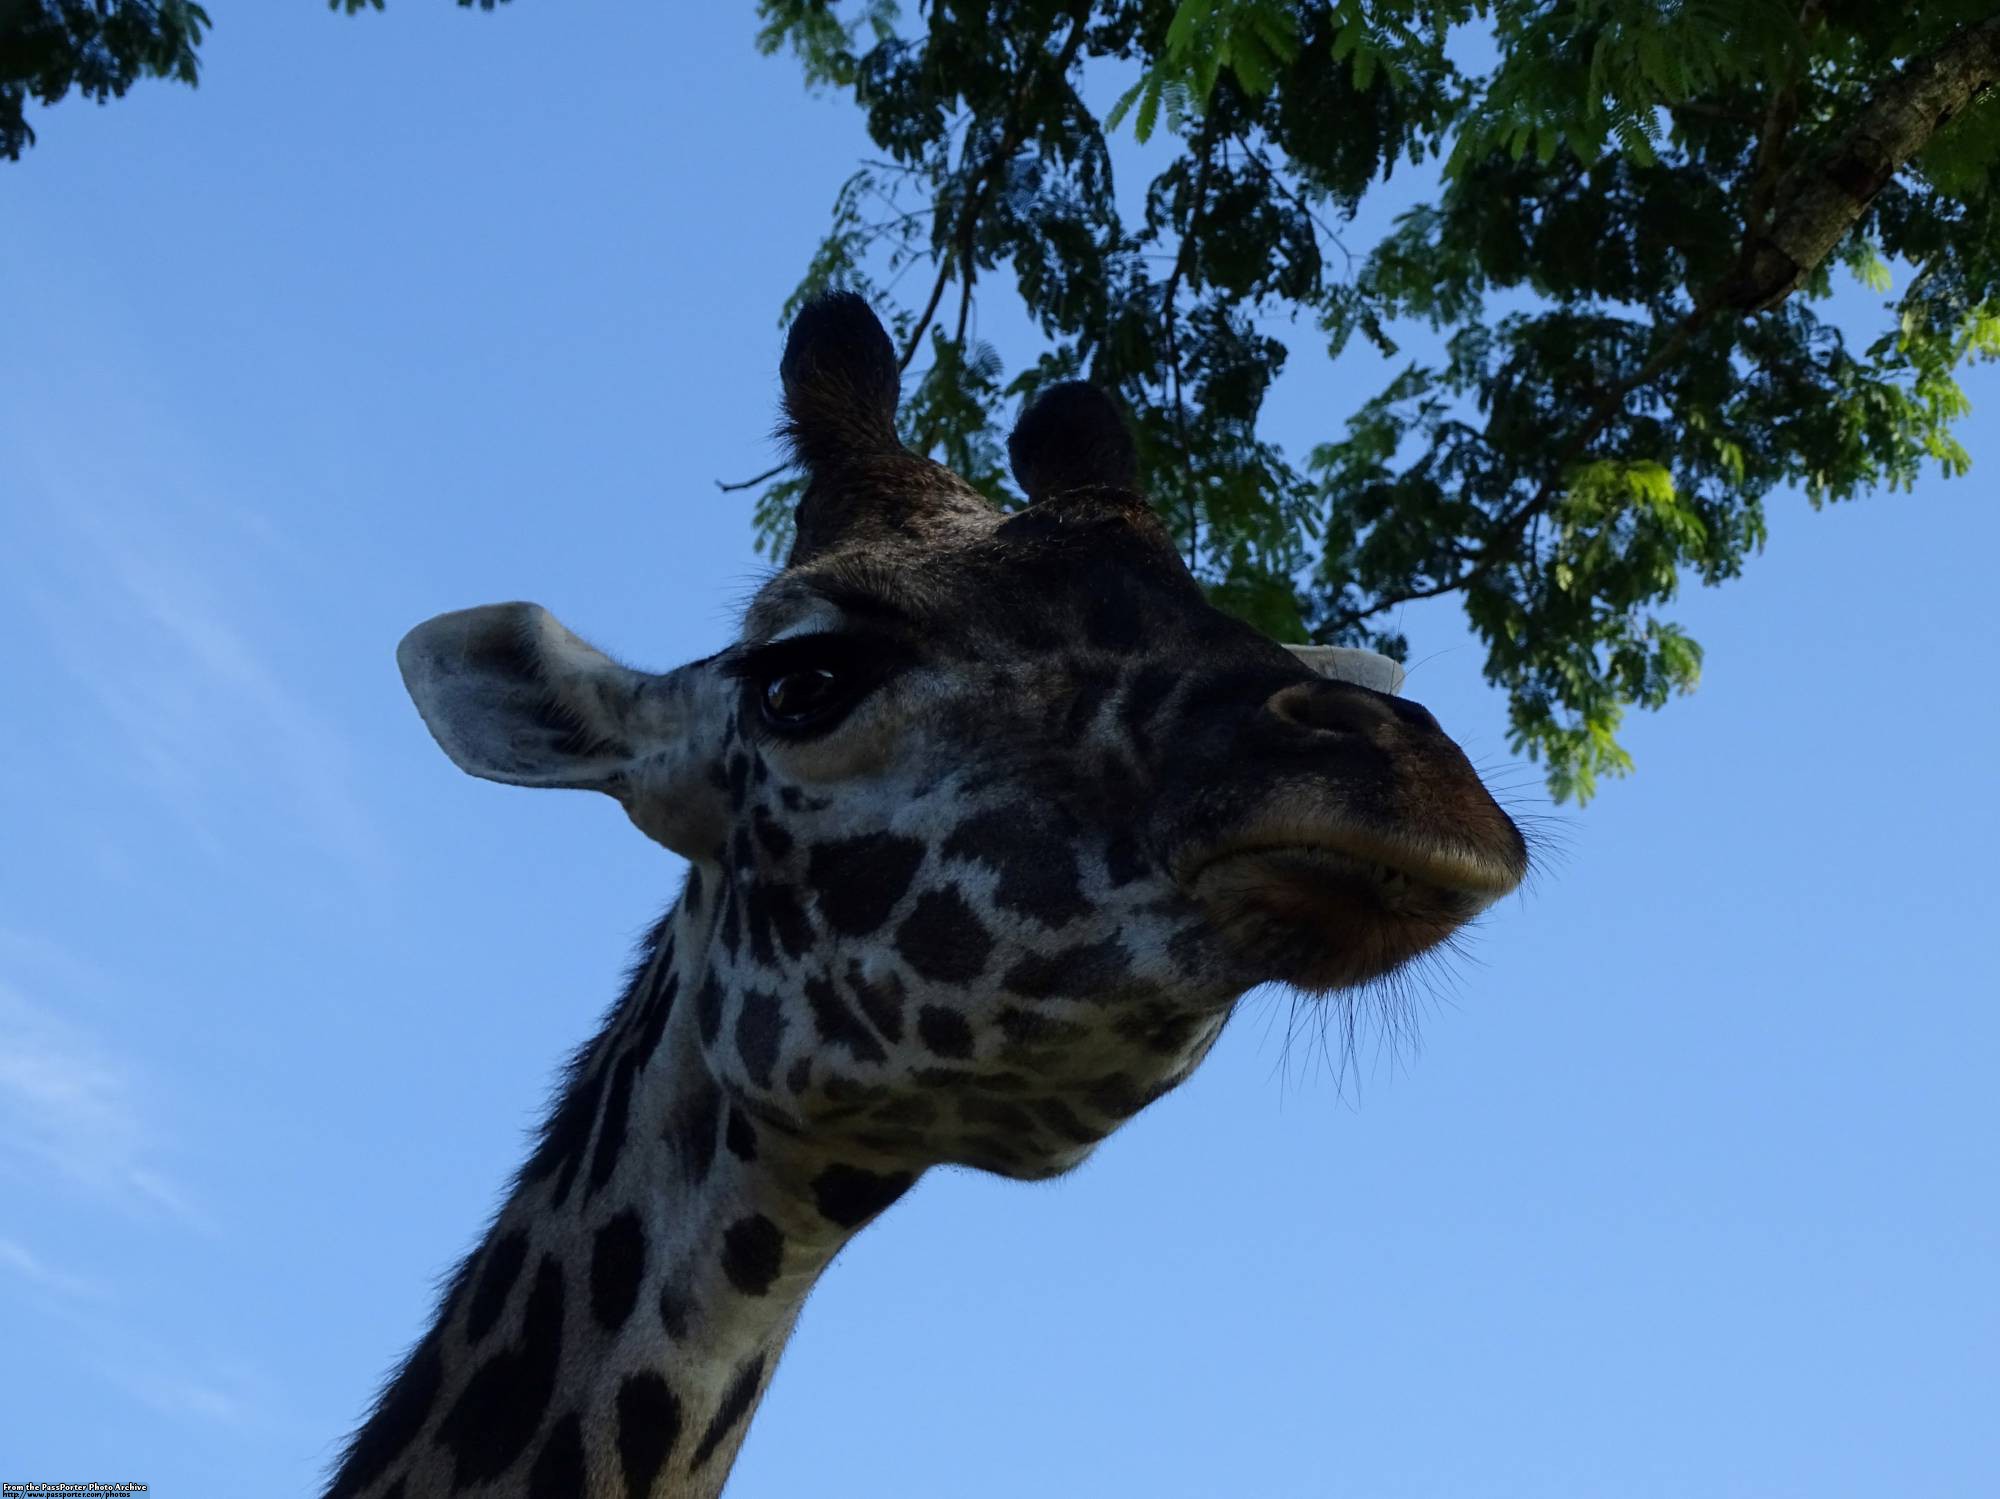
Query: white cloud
[
  {"x": 164, "y": 1383},
  {"x": 68, "y": 1109},
  {"x": 19, "y": 1259},
  {"x": 151, "y": 609}
]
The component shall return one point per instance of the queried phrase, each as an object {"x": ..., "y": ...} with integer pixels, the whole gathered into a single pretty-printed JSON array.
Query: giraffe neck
[{"x": 617, "y": 1327}]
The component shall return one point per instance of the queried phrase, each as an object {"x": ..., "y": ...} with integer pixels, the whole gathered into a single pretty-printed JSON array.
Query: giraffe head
[{"x": 991, "y": 818}]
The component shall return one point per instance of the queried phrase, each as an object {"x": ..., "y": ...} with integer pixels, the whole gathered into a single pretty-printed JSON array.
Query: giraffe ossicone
[{"x": 989, "y": 820}]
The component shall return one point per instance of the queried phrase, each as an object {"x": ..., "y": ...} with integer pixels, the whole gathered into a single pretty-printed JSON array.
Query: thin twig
[
  {"x": 986, "y": 178},
  {"x": 930, "y": 307},
  {"x": 1205, "y": 149},
  {"x": 1299, "y": 199},
  {"x": 978, "y": 186},
  {"x": 769, "y": 473}
]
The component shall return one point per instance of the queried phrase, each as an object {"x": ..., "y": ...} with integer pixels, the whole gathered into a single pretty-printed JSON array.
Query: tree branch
[
  {"x": 1779, "y": 117},
  {"x": 1809, "y": 209},
  {"x": 1819, "y": 200},
  {"x": 986, "y": 178}
]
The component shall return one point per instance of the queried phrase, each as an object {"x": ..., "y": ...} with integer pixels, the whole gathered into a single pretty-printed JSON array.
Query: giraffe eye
[
  {"x": 804, "y": 698},
  {"x": 805, "y": 684}
]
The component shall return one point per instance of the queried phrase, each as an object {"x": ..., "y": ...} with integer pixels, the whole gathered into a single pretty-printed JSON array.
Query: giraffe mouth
[
  {"x": 1337, "y": 909},
  {"x": 1392, "y": 866}
]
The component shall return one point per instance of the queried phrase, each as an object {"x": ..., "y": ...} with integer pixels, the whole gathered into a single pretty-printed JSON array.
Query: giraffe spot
[
  {"x": 1123, "y": 862},
  {"x": 399, "y": 1415},
  {"x": 495, "y": 1416},
  {"x": 943, "y": 940},
  {"x": 708, "y": 1009},
  {"x": 617, "y": 1265},
  {"x": 752, "y": 1250},
  {"x": 1083, "y": 971},
  {"x": 948, "y": 1078},
  {"x": 649, "y": 1423},
  {"x": 1142, "y": 700},
  {"x": 567, "y": 1134},
  {"x": 611, "y": 1136},
  {"x": 1037, "y": 869},
  {"x": 770, "y": 832},
  {"x": 882, "y": 1003},
  {"x": 496, "y": 1281},
  {"x": 894, "y": 1141},
  {"x": 944, "y": 1031},
  {"x": 1113, "y": 769},
  {"x": 691, "y": 891},
  {"x": 846, "y": 1090},
  {"x": 1161, "y": 1031},
  {"x": 994, "y": 1113},
  {"x": 1116, "y": 1096},
  {"x": 769, "y": 1114},
  {"x": 858, "y": 881},
  {"x": 906, "y": 1108},
  {"x": 1088, "y": 690},
  {"x": 786, "y": 918},
  {"x": 676, "y": 1310},
  {"x": 999, "y": 1082},
  {"x": 1188, "y": 948},
  {"x": 731, "y": 929},
  {"x": 990, "y": 1154},
  {"x": 739, "y": 780},
  {"x": 800, "y": 1077},
  {"x": 653, "y": 1025},
  {"x": 736, "y": 1403},
  {"x": 1113, "y": 616},
  {"x": 1025, "y": 1027},
  {"x": 558, "y": 1472},
  {"x": 849, "y": 1196},
  {"x": 839, "y": 1026},
  {"x": 692, "y": 1130},
  {"x": 760, "y": 1029},
  {"x": 742, "y": 1136},
  {"x": 1061, "y": 1118}
]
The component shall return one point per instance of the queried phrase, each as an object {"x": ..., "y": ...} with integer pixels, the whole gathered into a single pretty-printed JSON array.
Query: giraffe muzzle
[{"x": 1333, "y": 906}]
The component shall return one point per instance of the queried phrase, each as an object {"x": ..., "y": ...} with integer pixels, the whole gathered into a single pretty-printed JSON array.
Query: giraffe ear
[
  {"x": 1341, "y": 663},
  {"x": 1072, "y": 436},
  {"x": 841, "y": 383},
  {"x": 510, "y": 695}
]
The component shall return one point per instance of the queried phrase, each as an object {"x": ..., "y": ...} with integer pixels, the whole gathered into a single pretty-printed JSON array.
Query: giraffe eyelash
[{"x": 863, "y": 652}]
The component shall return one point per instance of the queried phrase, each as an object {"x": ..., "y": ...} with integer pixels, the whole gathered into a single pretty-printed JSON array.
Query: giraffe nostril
[{"x": 1337, "y": 708}]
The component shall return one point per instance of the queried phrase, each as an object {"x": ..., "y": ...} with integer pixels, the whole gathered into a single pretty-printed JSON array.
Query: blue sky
[{"x": 1688, "y": 1189}]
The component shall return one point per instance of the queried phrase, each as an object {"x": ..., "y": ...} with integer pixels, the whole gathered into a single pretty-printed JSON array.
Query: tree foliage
[
  {"x": 100, "y": 48},
  {"x": 1639, "y": 209}
]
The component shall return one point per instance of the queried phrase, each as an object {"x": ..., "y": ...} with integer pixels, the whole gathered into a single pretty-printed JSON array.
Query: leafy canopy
[
  {"x": 100, "y": 48},
  {"x": 1639, "y": 208}
]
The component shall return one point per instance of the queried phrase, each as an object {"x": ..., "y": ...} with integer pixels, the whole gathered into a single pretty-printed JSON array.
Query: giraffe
[{"x": 989, "y": 820}]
